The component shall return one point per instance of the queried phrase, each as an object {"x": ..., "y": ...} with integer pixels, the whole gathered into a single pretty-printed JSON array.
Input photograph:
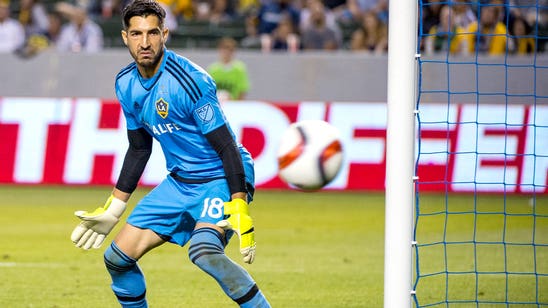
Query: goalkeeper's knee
[
  {"x": 128, "y": 282},
  {"x": 205, "y": 244},
  {"x": 207, "y": 252}
]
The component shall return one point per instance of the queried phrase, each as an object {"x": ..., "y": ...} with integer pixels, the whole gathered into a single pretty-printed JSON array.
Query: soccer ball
[{"x": 310, "y": 154}]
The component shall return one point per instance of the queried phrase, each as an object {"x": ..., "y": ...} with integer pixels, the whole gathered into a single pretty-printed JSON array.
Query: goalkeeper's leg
[
  {"x": 206, "y": 250},
  {"x": 128, "y": 282}
]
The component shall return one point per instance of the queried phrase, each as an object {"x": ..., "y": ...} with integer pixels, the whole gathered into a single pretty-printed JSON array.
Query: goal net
[{"x": 481, "y": 207}]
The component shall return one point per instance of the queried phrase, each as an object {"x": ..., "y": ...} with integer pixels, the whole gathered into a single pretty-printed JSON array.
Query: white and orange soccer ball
[{"x": 310, "y": 154}]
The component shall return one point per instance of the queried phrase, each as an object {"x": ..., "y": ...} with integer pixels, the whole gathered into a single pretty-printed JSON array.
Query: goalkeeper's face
[{"x": 145, "y": 38}]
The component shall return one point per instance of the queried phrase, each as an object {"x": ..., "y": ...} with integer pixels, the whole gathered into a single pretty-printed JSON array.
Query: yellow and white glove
[
  {"x": 95, "y": 226},
  {"x": 238, "y": 220}
]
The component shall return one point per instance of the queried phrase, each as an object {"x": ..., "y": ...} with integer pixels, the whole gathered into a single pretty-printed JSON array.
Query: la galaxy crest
[{"x": 162, "y": 107}]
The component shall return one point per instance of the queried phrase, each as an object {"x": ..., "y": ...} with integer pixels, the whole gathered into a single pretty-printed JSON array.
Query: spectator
[
  {"x": 356, "y": 8},
  {"x": 371, "y": 36},
  {"x": 33, "y": 16},
  {"x": 181, "y": 9},
  {"x": 330, "y": 19},
  {"x": 102, "y": 9},
  {"x": 283, "y": 38},
  {"x": 317, "y": 36},
  {"x": 171, "y": 19},
  {"x": 12, "y": 33},
  {"x": 214, "y": 11},
  {"x": 247, "y": 7},
  {"x": 338, "y": 7},
  {"x": 430, "y": 14},
  {"x": 541, "y": 26},
  {"x": 222, "y": 11},
  {"x": 529, "y": 10},
  {"x": 81, "y": 34},
  {"x": 504, "y": 13},
  {"x": 488, "y": 36},
  {"x": 54, "y": 28},
  {"x": 463, "y": 15},
  {"x": 446, "y": 35},
  {"x": 252, "y": 39},
  {"x": 229, "y": 73},
  {"x": 273, "y": 11},
  {"x": 202, "y": 9},
  {"x": 176, "y": 10},
  {"x": 107, "y": 8},
  {"x": 520, "y": 43},
  {"x": 41, "y": 41}
]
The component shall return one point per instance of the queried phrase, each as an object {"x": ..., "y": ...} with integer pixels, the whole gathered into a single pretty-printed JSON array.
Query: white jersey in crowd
[
  {"x": 12, "y": 35},
  {"x": 88, "y": 38}
]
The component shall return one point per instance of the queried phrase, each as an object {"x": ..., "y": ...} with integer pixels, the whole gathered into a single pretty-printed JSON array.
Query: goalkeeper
[{"x": 204, "y": 199}]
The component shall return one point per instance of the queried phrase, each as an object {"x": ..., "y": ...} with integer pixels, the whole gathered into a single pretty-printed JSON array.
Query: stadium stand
[{"x": 189, "y": 34}]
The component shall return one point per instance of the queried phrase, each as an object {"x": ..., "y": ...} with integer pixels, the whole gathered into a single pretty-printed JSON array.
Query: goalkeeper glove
[
  {"x": 237, "y": 219},
  {"x": 95, "y": 226}
]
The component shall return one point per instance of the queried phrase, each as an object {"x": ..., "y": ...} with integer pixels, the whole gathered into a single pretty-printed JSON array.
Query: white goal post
[{"x": 402, "y": 39}]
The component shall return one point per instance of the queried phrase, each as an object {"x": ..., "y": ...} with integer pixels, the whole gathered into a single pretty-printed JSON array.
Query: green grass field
[
  {"x": 480, "y": 249},
  {"x": 314, "y": 250}
]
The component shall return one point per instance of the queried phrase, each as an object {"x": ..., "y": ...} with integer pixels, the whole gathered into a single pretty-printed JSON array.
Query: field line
[
  {"x": 7, "y": 264},
  {"x": 32, "y": 264}
]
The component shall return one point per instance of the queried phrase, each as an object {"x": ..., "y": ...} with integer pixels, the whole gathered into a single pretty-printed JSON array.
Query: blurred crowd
[
  {"x": 491, "y": 27},
  {"x": 28, "y": 26},
  {"x": 458, "y": 26}
]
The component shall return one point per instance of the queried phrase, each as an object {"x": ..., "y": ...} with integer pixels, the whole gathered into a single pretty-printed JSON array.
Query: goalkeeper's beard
[{"x": 145, "y": 61}]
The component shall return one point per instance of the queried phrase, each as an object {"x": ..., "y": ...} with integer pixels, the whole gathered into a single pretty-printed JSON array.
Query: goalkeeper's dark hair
[{"x": 143, "y": 8}]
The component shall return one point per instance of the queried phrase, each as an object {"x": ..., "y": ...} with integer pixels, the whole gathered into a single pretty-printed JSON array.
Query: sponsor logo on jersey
[
  {"x": 163, "y": 128},
  {"x": 205, "y": 113},
  {"x": 162, "y": 107}
]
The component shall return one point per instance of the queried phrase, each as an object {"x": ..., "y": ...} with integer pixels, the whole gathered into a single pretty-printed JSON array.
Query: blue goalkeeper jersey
[{"x": 177, "y": 106}]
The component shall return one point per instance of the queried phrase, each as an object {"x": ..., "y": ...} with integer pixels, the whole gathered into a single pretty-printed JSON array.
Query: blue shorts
[{"x": 173, "y": 208}]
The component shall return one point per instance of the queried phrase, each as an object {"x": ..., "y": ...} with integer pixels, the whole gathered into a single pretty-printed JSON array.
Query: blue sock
[
  {"x": 207, "y": 252},
  {"x": 128, "y": 282}
]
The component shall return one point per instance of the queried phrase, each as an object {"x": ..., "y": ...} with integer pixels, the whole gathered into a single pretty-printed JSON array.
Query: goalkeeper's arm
[
  {"x": 137, "y": 155},
  {"x": 95, "y": 226},
  {"x": 224, "y": 144},
  {"x": 236, "y": 211}
]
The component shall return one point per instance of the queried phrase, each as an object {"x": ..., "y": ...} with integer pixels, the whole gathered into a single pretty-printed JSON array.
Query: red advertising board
[{"x": 495, "y": 148}]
